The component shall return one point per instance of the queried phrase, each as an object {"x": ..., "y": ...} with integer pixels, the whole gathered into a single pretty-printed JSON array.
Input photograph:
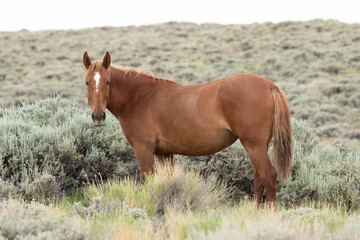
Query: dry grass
[
  {"x": 243, "y": 220},
  {"x": 169, "y": 187}
]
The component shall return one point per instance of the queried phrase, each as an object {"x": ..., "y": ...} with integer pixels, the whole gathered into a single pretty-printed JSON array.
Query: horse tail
[{"x": 282, "y": 146}]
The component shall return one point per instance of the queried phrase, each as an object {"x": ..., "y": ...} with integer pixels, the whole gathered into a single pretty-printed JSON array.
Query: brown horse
[{"x": 160, "y": 117}]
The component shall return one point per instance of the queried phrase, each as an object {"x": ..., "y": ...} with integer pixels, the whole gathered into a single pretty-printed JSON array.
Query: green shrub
[
  {"x": 7, "y": 189},
  {"x": 46, "y": 138},
  {"x": 89, "y": 211},
  {"x": 326, "y": 175},
  {"x": 137, "y": 213},
  {"x": 45, "y": 188},
  {"x": 19, "y": 220},
  {"x": 46, "y": 148}
]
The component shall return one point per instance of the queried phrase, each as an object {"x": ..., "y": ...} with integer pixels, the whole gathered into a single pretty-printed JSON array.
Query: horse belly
[{"x": 197, "y": 143}]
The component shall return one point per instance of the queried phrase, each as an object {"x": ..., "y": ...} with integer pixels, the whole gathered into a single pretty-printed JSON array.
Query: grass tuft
[{"x": 168, "y": 187}]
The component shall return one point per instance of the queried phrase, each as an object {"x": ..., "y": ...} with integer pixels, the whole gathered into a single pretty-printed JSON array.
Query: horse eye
[
  {"x": 87, "y": 83},
  {"x": 107, "y": 83}
]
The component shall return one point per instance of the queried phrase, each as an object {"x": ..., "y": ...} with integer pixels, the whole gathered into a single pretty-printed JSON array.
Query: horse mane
[
  {"x": 149, "y": 74},
  {"x": 97, "y": 66}
]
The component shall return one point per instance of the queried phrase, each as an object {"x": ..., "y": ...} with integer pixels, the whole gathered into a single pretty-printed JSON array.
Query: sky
[{"x": 36, "y": 15}]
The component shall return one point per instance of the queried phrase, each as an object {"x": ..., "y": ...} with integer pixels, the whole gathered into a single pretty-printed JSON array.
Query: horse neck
[{"x": 126, "y": 88}]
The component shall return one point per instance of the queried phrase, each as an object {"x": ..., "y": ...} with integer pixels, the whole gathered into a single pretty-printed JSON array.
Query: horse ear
[
  {"x": 106, "y": 61},
  {"x": 86, "y": 60}
]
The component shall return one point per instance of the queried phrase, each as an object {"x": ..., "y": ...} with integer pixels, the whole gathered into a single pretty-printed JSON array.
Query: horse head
[{"x": 97, "y": 79}]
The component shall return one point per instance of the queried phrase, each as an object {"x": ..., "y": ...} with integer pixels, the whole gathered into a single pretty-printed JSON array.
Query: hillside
[
  {"x": 63, "y": 178},
  {"x": 316, "y": 63}
]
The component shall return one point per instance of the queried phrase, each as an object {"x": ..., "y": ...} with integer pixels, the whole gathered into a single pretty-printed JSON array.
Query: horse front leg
[{"x": 145, "y": 157}]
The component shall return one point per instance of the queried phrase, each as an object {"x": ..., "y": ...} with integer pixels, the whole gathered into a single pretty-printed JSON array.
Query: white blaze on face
[{"x": 97, "y": 80}]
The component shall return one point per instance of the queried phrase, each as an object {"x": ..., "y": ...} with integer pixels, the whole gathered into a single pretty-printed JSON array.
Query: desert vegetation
[
  {"x": 316, "y": 63},
  {"x": 57, "y": 168},
  {"x": 63, "y": 178}
]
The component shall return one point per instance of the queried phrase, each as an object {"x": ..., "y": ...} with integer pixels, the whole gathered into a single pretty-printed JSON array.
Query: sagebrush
[{"x": 47, "y": 148}]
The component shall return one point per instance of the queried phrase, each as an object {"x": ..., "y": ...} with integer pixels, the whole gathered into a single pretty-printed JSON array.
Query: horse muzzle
[{"x": 98, "y": 119}]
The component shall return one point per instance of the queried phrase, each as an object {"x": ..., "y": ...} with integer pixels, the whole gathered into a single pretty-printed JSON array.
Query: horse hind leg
[
  {"x": 256, "y": 137},
  {"x": 265, "y": 174},
  {"x": 258, "y": 188}
]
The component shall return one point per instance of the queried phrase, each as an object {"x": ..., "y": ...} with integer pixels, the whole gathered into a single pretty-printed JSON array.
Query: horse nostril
[{"x": 100, "y": 117}]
